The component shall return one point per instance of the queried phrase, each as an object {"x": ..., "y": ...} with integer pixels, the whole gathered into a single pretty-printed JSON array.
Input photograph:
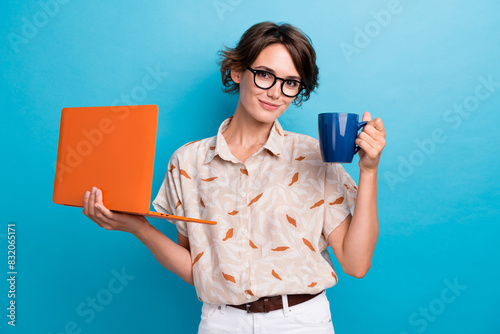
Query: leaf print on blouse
[
  {"x": 318, "y": 203},
  {"x": 197, "y": 258},
  {"x": 244, "y": 171},
  {"x": 178, "y": 204},
  {"x": 276, "y": 127},
  {"x": 249, "y": 292},
  {"x": 312, "y": 285},
  {"x": 252, "y": 244},
  {"x": 335, "y": 276},
  {"x": 291, "y": 220},
  {"x": 184, "y": 173},
  {"x": 295, "y": 178},
  {"x": 228, "y": 277},
  {"x": 308, "y": 244},
  {"x": 255, "y": 199},
  {"x": 276, "y": 275},
  {"x": 229, "y": 234},
  {"x": 280, "y": 249},
  {"x": 171, "y": 168},
  {"x": 300, "y": 158},
  {"x": 232, "y": 213},
  {"x": 212, "y": 148},
  {"x": 202, "y": 203},
  {"x": 210, "y": 179},
  {"x": 338, "y": 201},
  {"x": 192, "y": 142}
]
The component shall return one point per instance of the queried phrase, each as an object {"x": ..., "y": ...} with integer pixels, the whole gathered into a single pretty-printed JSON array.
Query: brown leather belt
[{"x": 266, "y": 304}]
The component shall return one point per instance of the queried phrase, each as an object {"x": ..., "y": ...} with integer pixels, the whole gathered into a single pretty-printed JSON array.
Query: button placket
[{"x": 244, "y": 232}]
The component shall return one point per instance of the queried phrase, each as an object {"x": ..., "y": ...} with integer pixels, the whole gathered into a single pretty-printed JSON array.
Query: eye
[
  {"x": 291, "y": 83},
  {"x": 263, "y": 74}
]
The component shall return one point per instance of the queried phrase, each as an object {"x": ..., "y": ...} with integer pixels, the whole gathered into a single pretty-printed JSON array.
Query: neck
[{"x": 246, "y": 132}]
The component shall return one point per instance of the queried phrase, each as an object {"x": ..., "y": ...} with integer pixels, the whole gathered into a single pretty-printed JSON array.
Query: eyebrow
[{"x": 292, "y": 77}]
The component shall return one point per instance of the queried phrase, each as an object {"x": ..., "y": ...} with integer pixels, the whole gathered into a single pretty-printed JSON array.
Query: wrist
[
  {"x": 141, "y": 230},
  {"x": 368, "y": 171}
]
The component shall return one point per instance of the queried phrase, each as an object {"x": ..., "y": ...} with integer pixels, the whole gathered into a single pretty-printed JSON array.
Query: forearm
[
  {"x": 361, "y": 237},
  {"x": 172, "y": 256}
]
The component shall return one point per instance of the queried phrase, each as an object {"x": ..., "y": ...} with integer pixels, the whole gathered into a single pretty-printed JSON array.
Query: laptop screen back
[{"x": 111, "y": 148}]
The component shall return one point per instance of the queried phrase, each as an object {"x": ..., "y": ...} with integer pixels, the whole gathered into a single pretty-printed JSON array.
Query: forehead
[{"x": 277, "y": 58}]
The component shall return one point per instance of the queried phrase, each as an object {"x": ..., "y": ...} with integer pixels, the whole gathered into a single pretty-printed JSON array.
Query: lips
[{"x": 268, "y": 105}]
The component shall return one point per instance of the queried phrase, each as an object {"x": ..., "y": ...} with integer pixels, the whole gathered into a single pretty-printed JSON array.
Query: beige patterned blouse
[{"x": 273, "y": 212}]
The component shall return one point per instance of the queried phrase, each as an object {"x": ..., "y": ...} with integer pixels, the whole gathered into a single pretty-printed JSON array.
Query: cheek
[
  {"x": 248, "y": 91},
  {"x": 288, "y": 101}
]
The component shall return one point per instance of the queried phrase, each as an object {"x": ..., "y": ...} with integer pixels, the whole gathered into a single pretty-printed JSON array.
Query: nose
[{"x": 275, "y": 91}]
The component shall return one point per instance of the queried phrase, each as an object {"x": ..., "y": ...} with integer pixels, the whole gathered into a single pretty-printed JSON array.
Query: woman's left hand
[{"x": 371, "y": 142}]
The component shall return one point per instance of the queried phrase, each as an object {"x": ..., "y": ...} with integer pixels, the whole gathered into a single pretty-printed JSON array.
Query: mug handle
[{"x": 360, "y": 125}]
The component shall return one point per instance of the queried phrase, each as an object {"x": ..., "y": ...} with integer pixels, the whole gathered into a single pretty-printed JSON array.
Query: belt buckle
[
  {"x": 265, "y": 305},
  {"x": 260, "y": 305}
]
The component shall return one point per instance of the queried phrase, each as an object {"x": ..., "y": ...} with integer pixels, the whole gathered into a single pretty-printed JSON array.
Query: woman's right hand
[{"x": 97, "y": 212}]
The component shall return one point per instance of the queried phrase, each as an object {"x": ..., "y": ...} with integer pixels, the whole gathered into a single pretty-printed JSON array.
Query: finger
[
  {"x": 92, "y": 202},
  {"x": 367, "y": 116},
  {"x": 110, "y": 220},
  {"x": 373, "y": 146},
  {"x": 376, "y": 142},
  {"x": 369, "y": 145},
  {"x": 107, "y": 216},
  {"x": 102, "y": 216},
  {"x": 98, "y": 216},
  {"x": 366, "y": 149},
  {"x": 365, "y": 138},
  {"x": 86, "y": 203},
  {"x": 378, "y": 124},
  {"x": 374, "y": 133},
  {"x": 105, "y": 211},
  {"x": 98, "y": 196}
]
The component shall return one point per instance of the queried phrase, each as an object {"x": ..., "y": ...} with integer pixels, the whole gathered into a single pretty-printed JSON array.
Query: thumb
[{"x": 367, "y": 116}]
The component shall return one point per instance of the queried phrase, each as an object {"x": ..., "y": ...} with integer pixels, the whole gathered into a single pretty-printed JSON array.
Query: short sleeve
[
  {"x": 168, "y": 199},
  {"x": 340, "y": 197}
]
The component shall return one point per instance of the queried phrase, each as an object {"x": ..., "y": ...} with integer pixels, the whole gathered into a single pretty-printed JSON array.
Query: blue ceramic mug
[{"x": 337, "y": 132}]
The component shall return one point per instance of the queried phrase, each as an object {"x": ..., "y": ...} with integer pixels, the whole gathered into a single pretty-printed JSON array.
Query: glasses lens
[
  {"x": 291, "y": 88},
  {"x": 264, "y": 79}
]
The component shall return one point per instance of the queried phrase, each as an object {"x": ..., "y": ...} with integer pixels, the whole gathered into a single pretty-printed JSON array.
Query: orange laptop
[{"x": 112, "y": 148}]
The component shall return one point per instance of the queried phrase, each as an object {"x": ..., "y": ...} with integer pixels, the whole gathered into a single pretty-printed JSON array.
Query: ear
[{"x": 235, "y": 75}]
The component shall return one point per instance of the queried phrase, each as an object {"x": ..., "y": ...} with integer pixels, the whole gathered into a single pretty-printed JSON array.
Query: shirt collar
[{"x": 274, "y": 143}]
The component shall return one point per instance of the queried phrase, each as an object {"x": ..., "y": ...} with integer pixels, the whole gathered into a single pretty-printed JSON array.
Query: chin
[{"x": 266, "y": 116}]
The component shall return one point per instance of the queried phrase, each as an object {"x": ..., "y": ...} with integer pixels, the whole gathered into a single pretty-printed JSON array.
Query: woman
[{"x": 278, "y": 206}]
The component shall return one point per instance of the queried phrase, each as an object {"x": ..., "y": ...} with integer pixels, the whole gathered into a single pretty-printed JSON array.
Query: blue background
[{"x": 438, "y": 194}]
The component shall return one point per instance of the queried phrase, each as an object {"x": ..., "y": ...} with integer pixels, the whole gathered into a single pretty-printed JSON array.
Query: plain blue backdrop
[{"x": 429, "y": 69}]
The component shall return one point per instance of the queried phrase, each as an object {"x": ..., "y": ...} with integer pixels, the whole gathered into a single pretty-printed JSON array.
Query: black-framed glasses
[{"x": 266, "y": 80}]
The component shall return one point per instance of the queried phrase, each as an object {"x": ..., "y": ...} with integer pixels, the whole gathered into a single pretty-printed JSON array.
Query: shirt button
[
  {"x": 244, "y": 231},
  {"x": 245, "y": 264},
  {"x": 249, "y": 297},
  {"x": 243, "y": 194}
]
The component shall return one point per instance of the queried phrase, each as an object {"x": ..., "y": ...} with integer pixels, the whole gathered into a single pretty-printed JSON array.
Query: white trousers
[{"x": 312, "y": 316}]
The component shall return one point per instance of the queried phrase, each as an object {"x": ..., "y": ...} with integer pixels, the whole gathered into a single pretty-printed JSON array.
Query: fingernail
[{"x": 87, "y": 194}]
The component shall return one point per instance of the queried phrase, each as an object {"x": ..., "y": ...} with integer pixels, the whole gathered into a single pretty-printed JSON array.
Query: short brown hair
[{"x": 261, "y": 35}]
